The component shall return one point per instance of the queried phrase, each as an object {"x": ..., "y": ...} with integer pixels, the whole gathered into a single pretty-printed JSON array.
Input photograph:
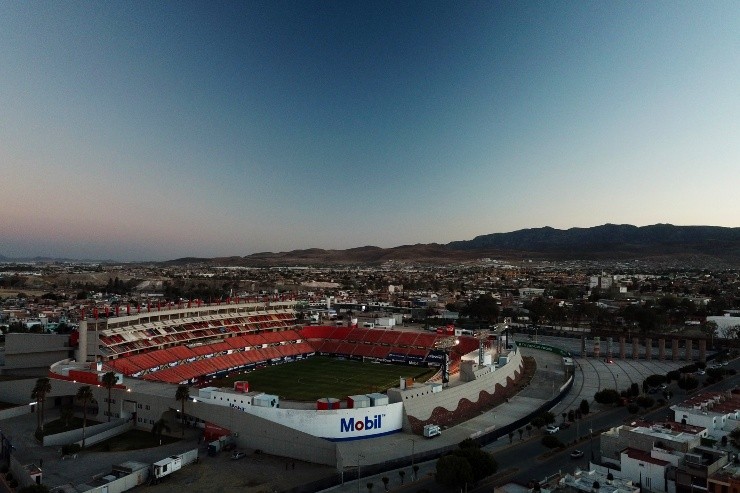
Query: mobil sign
[
  {"x": 337, "y": 424},
  {"x": 355, "y": 424},
  {"x": 367, "y": 424}
]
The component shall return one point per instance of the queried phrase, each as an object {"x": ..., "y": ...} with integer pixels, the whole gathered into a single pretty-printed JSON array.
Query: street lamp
[
  {"x": 413, "y": 443},
  {"x": 591, "y": 441}
]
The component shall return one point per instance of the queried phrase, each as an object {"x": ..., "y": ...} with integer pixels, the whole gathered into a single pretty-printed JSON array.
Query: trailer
[
  {"x": 226, "y": 442},
  {"x": 173, "y": 463},
  {"x": 431, "y": 431}
]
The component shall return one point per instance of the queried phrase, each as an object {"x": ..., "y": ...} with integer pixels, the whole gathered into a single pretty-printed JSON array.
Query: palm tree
[
  {"x": 159, "y": 428},
  {"x": 416, "y": 472},
  {"x": 109, "y": 381},
  {"x": 182, "y": 394},
  {"x": 385, "y": 481},
  {"x": 369, "y": 487},
  {"x": 402, "y": 474},
  {"x": 85, "y": 395},
  {"x": 42, "y": 387}
]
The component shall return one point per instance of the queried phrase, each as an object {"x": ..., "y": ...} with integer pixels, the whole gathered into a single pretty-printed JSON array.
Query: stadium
[{"x": 156, "y": 351}]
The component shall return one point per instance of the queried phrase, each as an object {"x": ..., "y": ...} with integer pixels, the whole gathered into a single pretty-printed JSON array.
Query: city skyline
[{"x": 141, "y": 131}]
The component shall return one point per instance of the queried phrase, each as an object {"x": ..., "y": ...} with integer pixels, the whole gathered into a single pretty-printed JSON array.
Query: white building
[{"x": 718, "y": 412}]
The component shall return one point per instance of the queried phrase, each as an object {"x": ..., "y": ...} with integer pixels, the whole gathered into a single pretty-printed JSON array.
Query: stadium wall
[
  {"x": 420, "y": 402},
  {"x": 269, "y": 436}
]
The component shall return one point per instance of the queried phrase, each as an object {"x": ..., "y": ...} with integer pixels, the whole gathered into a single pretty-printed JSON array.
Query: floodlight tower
[
  {"x": 446, "y": 344},
  {"x": 481, "y": 335}
]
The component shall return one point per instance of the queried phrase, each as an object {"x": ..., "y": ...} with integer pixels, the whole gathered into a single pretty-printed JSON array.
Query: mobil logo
[{"x": 369, "y": 423}]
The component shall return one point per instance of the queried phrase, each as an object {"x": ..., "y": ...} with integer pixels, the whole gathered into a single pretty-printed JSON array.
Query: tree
[
  {"x": 39, "y": 392},
  {"x": 655, "y": 380},
  {"x": 402, "y": 473},
  {"x": 645, "y": 401},
  {"x": 416, "y": 472},
  {"x": 484, "y": 308},
  {"x": 67, "y": 413},
  {"x": 687, "y": 383},
  {"x": 109, "y": 381},
  {"x": 182, "y": 395},
  {"x": 529, "y": 430},
  {"x": 385, "y": 481},
  {"x": 453, "y": 471},
  {"x": 481, "y": 462},
  {"x": 369, "y": 487},
  {"x": 551, "y": 441},
  {"x": 511, "y": 436},
  {"x": 735, "y": 437},
  {"x": 521, "y": 433},
  {"x": 606, "y": 396},
  {"x": 85, "y": 395},
  {"x": 584, "y": 406},
  {"x": 710, "y": 329},
  {"x": 159, "y": 428}
]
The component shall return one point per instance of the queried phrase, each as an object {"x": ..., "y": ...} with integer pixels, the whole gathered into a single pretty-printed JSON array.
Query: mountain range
[{"x": 693, "y": 245}]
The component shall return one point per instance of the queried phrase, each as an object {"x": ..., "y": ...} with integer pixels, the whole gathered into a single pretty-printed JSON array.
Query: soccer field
[{"x": 320, "y": 376}]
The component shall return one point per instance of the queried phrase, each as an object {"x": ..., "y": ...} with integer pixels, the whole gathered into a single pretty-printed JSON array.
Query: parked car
[
  {"x": 238, "y": 455},
  {"x": 576, "y": 454},
  {"x": 551, "y": 429},
  {"x": 565, "y": 425},
  {"x": 700, "y": 372}
]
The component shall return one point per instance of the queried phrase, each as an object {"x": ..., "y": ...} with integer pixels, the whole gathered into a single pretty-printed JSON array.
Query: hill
[{"x": 692, "y": 245}]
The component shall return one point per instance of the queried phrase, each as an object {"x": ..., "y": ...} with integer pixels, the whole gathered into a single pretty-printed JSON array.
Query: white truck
[{"x": 431, "y": 431}]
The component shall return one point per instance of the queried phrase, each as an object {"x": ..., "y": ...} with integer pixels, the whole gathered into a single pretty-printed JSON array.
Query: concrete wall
[
  {"x": 93, "y": 434},
  {"x": 419, "y": 401},
  {"x": 20, "y": 473},
  {"x": 32, "y": 354},
  {"x": 18, "y": 391},
  {"x": 16, "y": 411},
  {"x": 273, "y": 438},
  {"x": 119, "y": 485}
]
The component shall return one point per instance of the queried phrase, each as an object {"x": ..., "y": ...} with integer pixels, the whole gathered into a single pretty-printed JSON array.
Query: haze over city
[{"x": 148, "y": 131}]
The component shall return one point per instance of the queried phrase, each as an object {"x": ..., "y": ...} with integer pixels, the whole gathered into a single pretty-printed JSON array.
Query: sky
[{"x": 158, "y": 130}]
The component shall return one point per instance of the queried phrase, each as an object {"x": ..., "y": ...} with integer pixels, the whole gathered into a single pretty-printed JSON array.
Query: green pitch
[{"x": 321, "y": 376}]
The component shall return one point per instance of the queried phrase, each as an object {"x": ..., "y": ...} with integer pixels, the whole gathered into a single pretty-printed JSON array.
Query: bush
[
  {"x": 673, "y": 375},
  {"x": 71, "y": 448},
  {"x": 655, "y": 380},
  {"x": 606, "y": 396},
  {"x": 633, "y": 408},
  {"x": 645, "y": 401},
  {"x": 34, "y": 488}
]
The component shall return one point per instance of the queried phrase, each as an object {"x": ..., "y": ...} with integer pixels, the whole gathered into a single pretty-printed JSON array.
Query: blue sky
[{"x": 156, "y": 130}]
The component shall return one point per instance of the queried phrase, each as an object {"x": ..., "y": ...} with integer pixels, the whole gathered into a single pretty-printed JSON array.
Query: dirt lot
[{"x": 256, "y": 473}]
